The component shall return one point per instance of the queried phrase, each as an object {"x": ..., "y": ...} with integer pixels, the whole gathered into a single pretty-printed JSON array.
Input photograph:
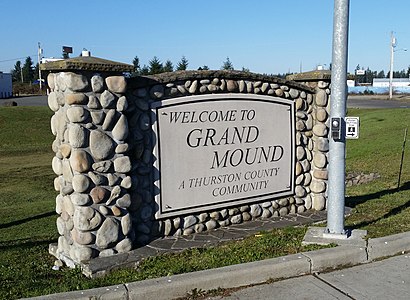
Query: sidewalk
[{"x": 380, "y": 279}]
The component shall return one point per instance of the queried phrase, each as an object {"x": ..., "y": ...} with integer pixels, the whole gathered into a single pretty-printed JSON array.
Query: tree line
[
  {"x": 155, "y": 66},
  {"x": 28, "y": 72}
]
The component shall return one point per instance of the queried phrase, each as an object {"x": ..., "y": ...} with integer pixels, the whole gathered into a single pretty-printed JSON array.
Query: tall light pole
[
  {"x": 337, "y": 141},
  {"x": 39, "y": 53},
  {"x": 392, "y": 46}
]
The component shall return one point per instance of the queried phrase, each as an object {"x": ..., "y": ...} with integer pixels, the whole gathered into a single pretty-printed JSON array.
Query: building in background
[
  {"x": 6, "y": 86},
  {"x": 397, "y": 82}
]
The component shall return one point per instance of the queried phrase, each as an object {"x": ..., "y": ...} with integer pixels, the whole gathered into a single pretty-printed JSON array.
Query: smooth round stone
[
  {"x": 97, "y": 117},
  {"x": 77, "y": 135},
  {"x": 199, "y": 228},
  {"x": 321, "y": 114},
  {"x": 122, "y": 164},
  {"x": 124, "y": 246},
  {"x": 77, "y": 114},
  {"x": 266, "y": 213},
  {"x": 52, "y": 101},
  {"x": 93, "y": 102},
  {"x": 143, "y": 228},
  {"x": 246, "y": 216},
  {"x": 298, "y": 168},
  {"x": 99, "y": 194},
  {"x": 121, "y": 148},
  {"x": 65, "y": 150},
  {"x": 104, "y": 210},
  {"x": 231, "y": 85},
  {"x": 321, "y": 98},
  {"x": 80, "y": 199},
  {"x": 176, "y": 222},
  {"x": 82, "y": 237},
  {"x": 109, "y": 119},
  {"x": 308, "y": 202},
  {"x": 242, "y": 86},
  {"x": 67, "y": 170},
  {"x": 116, "y": 211},
  {"x": 293, "y": 93},
  {"x": 81, "y": 253},
  {"x": 59, "y": 203},
  {"x": 59, "y": 124},
  {"x": 167, "y": 226},
  {"x": 86, "y": 218},
  {"x": 237, "y": 219},
  {"x": 322, "y": 84},
  {"x": 107, "y": 99},
  {"x": 320, "y": 130},
  {"x": 108, "y": 233},
  {"x": 60, "y": 84},
  {"x": 97, "y": 83},
  {"x": 80, "y": 161},
  {"x": 126, "y": 182},
  {"x": 317, "y": 186},
  {"x": 126, "y": 224},
  {"x": 300, "y": 125},
  {"x": 144, "y": 122},
  {"x": 308, "y": 179},
  {"x": 211, "y": 224},
  {"x": 102, "y": 166},
  {"x": 124, "y": 201},
  {"x": 122, "y": 104},
  {"x": 322, "y": 144},
  {"x": 193, "y": 87},
  {"x": 75, "y": 82},
  {"x": 299, "y": 180},
  {"x": 76, "y": 98},
  {"x": 256, "y": 210},
  {"x": 300, "y": 191},
  {"x": 107, "y": 253},
  {"x": 190, "y": 221},
  {"x": 300, "y": 153},
  {"x": 305, "y": 165},
  {"x": 51, "y": 80},
  {"x": 319, "y": 202},
  {"x": 60, "y": 226},
  {"x": 309, "y": 122},
  {"x": 101, "y": 145},
  {"x": 283, "y": 211},
  {"x": 319, "y": 160},
  {"x": 120, "y": 130},
  {"x": 57, "y": 166},
  {"x": 283, "y": 202},
  {"x": 215, "y": 215},
  {"x": 116, "y": 84},
  {"x": 97, "y": 179},
  {"x": 80, "y": 183},
  {"x": 320, "y": 174}
]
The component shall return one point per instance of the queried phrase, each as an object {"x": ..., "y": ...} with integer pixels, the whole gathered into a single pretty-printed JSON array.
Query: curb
[{"x": 248, "y": 273}]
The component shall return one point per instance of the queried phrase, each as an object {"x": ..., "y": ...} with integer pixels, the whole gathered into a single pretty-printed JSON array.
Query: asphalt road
[{"x": 353, "y": 102}]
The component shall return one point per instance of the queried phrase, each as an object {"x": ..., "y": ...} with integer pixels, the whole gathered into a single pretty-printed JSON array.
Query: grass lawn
[{"x": 27, "y": 217}]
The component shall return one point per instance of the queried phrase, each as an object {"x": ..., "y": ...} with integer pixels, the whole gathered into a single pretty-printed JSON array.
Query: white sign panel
[
  {"x": 352, "y": 127},
  {"x": 218, "y": 150}
]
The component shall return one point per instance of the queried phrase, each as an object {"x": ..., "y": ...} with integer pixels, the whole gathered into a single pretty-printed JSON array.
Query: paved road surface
[
  {"x": 27, "y": 101},
  {"x": 386, "y": 279}
]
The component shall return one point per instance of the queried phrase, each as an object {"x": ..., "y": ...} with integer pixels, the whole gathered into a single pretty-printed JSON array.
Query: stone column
[
  {"x": 91, "y": 158},
  {"x": 320, "y": 81}
]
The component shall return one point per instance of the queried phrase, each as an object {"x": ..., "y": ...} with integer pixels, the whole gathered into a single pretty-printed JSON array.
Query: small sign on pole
[{"x": 352, "y": 127}]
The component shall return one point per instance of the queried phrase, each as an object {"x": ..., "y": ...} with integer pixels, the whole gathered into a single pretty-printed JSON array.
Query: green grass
[{"x": 27, "y": 218}]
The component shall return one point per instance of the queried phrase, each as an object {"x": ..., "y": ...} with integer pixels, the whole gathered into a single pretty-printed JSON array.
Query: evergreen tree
[
  {"x": 16, "y": 72},
  {"x": 227, "y": 65},
  {"x": 204, "y": 67},
  {"x": 183, "y": 64},
  {"x": 136, "y": 63},
  {"x": 168, "y": 67},
  {"x": 144, "y": 70},
  {"x": 155, "y": 66},
  {"x": 28, "y": 71}
]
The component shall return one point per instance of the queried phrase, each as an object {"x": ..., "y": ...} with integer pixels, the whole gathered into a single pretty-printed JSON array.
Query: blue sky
[{"x": 266, "y": 36}]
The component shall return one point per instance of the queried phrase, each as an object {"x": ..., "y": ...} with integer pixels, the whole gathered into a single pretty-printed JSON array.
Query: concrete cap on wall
[
  {"x": 86, "y": 63},
  {"x": 311, "y": 76}
]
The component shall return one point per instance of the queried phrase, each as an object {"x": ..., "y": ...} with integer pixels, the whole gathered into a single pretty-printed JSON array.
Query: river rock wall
[{"x": 104, "y": 156}]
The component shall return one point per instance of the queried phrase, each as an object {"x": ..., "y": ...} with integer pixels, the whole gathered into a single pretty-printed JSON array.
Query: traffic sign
[{"x": 352, "y": 127}]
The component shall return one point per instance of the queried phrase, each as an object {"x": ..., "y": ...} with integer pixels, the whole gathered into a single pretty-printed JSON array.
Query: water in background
[{"x": 377, "y": 90}]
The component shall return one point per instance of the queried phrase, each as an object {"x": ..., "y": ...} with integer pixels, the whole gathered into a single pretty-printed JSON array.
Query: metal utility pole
[
  {"x": 39, "y": 53},
  {"x": 337, "y": 144},
  {"x": 392, "y": 46}
]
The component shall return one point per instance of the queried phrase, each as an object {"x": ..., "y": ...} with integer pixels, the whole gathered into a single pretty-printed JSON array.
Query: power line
[{"x": 13, "y": 59}]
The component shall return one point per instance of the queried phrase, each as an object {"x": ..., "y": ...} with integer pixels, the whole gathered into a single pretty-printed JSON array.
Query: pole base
[{"x": 320, "y": 236}]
